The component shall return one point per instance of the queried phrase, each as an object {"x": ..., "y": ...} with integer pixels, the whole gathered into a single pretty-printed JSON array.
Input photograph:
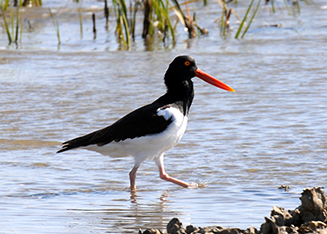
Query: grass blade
[
  {"x": 106, "y": 13},
  {"x": 17, "y": 25},
  {"x": 94, "y": 26},
  {"x": 56, "y": 25},
  {"x": 254, "y": 13},
  {"x": 164, "y": 11},
  {"x": 125, "y": 22},
  {"x": 21, "y": 31},
  {"x": 243, "y": 21},
  {"x": 12, "y": 21},
  {"x": 273, "y": 6},
  {"x": 287, "y": 7},
  {"x": 80, "y": 21},
  {"x": 6, "y": 24}
]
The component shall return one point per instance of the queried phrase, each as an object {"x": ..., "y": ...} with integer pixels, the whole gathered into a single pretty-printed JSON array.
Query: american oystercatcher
[{"x": 147, "y": 132}]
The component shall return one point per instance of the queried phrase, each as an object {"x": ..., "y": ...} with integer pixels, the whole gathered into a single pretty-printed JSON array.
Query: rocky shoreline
[{"x": 309, "y": 217}]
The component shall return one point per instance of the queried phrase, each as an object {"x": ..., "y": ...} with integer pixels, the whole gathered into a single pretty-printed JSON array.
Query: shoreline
[{"x": 309, "y": 217}]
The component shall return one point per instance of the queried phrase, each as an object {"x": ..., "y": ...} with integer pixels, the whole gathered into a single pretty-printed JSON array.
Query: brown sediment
[{"x": 309, "y": 217}]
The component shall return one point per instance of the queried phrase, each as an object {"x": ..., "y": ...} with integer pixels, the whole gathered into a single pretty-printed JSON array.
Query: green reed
[
  {"x": 6, "y": 24},
  {"x": 245, "y": 24},
  {"x": 122, "y": 26},
  {"x": 244, "y": 20},
  {"x": 156, "y": 18},
  {"x": 14, "y": 28},
  {"x": 106, "y": 13},
  {"x": 186, "y": 20},
  {"x": 250, "y": 21},
  {"x": 15, "y": 22},
  {"x": 56, "y": 26},
  {"x": 155, "y": 15},
  {"x": 80, "y": 21},
  {"x": 17, "y": 25}
]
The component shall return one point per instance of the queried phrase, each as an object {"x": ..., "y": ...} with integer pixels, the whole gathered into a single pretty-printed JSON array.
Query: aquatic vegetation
[
  {"x": 106, "y": 14},
  {"x": 225, "y": 17},
  {"x": 21, "y": 3},
  {"x": 160, "y": 18},
  {"x": 14, "y": 20},
  {"x": 292, "y": 8},
  {"x": 80, "y": 22},
  {"x": 56, "y": 25},
  {"x": 122, "y": 27},
  {"x": 245, "y": 17},
  {"x": 156, "y": 18}
]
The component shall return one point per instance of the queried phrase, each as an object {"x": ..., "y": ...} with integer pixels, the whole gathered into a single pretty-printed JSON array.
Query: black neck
[{"x": 181, "y": 94}]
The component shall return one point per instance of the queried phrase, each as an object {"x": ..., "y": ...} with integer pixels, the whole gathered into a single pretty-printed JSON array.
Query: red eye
[{"x": 187, "y": 63}]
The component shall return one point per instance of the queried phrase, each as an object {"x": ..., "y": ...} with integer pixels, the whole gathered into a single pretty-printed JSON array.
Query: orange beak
[{"x": 212, "y": 80}]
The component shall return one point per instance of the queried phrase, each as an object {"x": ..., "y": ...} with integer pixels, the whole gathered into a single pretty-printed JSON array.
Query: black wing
[{"x": 141, "y": 122}]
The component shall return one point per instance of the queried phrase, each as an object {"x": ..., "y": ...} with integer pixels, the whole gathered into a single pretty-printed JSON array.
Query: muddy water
[{"x": 241, "y": 145}]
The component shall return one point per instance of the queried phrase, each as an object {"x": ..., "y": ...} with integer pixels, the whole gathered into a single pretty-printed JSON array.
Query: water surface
[{"x": 272, "y": 131}]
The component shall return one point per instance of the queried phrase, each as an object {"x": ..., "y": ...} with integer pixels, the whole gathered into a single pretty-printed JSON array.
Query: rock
[
  {"x": 313, "y": 226},
  {"x": 251, "y": 230},
  {"x": 309, "y": 217},
  {"x": 175, "y": 227},
  {"x": 191, "y": 228},
  {"x": 150, "y": 231},
  {"x": 281, "y": 216},
  {"x": 284, "y": 187},
  {"x": 314, "y": 205},
  {"x": 297, "y": 220},
  {"x": 270, "y": 226}
]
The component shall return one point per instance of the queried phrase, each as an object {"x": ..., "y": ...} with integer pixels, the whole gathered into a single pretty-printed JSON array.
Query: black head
[{"x": 182, "y": 68}]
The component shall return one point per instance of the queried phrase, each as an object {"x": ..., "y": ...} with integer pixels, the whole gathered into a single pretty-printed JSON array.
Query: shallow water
[{"x": 272, "y": 131}]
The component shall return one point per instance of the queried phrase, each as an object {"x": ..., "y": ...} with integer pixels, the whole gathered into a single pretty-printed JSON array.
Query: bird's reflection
[
  {"x": 162, "y": 198},
  {"x": 154, "y": 213},
  {"x": 133, "y": 196}
]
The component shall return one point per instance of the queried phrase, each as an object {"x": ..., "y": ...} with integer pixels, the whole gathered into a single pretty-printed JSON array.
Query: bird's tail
[{"x": 77, "y": 142}]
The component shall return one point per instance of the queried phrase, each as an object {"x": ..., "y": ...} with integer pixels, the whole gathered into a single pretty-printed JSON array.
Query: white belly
[{"x": 150, "y": 146}]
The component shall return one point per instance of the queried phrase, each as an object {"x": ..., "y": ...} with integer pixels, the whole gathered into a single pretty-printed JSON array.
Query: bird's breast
[{"x": 176, "y": 128}]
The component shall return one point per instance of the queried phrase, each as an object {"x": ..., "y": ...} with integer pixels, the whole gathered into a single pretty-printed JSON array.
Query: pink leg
[
  {"x": 165, "y": 176},
  {"x": 132, "y": 177}
]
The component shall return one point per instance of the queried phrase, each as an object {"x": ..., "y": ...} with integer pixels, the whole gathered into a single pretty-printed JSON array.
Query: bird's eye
[{"x": 187, "y": 63}]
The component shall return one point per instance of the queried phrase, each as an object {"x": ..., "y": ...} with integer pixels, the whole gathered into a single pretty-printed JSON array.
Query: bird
[{"x": 149, "y": 131}]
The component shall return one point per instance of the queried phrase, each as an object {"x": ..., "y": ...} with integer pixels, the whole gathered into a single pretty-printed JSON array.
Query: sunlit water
[{"x": 242, "y": 146}]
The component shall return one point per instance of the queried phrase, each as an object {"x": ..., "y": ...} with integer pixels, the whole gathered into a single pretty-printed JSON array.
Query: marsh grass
[
  {"x": 80, "y": 21},
  {"x": 6, "y": 24},
  {"x": 56, "y": 26},
  {"x": 292, "y": 7},
  {"x": 245, "y": 18},
  {"x": 14, "y": 30},
  {"x": 94, "y": 26},
  {"x": 122, "y": 26},
  {"x": 17, "y": 25},
  {"x": 225, "y": 17},
  {"x": 186, "y": 20},
  {"x": 158, "y": 20},
  {"x": 15, "y": 22},
  {"x": 106, "y": 14}
]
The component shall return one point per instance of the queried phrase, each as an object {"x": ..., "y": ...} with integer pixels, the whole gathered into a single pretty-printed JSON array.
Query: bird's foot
[{"x": 193, "y": 186}]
